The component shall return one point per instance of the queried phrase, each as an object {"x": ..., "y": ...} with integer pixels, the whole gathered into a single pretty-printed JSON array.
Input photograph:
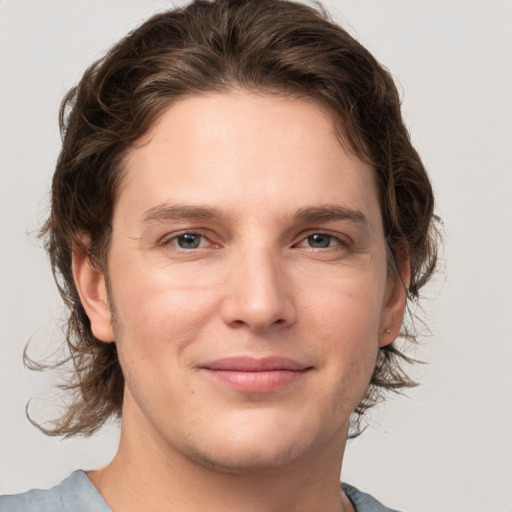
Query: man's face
[{"x": 248, "y": 278}]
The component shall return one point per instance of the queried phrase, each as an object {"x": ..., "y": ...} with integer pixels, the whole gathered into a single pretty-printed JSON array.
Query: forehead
[{"x": 242, "y": 151}]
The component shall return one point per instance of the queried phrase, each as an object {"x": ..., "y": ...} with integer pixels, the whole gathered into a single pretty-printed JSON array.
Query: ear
[
  {"x": 396, "y": 298},
  {"x": 90, "y": 283}
]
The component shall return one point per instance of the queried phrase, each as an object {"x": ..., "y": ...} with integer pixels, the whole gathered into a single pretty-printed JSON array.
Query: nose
[{"x": 259, "y": 295}]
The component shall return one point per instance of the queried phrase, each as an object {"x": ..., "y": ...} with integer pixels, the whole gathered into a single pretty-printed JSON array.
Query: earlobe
[
  {"x": 91, "y": 286},
  {"x": 394, "y": 307}
]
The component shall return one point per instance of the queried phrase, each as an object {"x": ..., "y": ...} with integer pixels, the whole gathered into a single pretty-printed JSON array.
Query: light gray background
[{"x": 448, "y": 447}]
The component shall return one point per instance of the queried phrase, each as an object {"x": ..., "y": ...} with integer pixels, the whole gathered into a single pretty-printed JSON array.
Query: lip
[{"x": 255, "y": 375}]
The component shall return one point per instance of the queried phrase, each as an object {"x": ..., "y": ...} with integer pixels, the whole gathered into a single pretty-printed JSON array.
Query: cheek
[
  {"x": 344, "y": 328},
  {"x": 348, "y": 308},
  {"x": 158, "y": 318},
  {"x": 156, "y": 311},
  {"x": 158, "y": 323}
]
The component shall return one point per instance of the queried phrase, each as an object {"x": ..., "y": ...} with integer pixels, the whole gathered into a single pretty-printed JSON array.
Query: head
[{"x": 268, "y": 49}]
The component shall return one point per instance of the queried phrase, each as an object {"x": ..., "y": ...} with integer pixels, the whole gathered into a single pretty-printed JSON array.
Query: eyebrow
[
  {"x": 164, "y": 212},
  {"x": 308, "y": 215},
  {"x": 331, "y": 212}
]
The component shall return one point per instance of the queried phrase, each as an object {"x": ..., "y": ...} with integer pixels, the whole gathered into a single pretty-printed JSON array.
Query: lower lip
[{"x": 256, "y": 382}]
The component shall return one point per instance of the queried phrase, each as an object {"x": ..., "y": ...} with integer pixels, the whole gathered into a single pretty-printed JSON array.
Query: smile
[{"x": 250, "y": 375}]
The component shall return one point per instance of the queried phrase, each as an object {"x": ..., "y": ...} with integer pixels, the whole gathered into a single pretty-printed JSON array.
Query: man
[{"x": 238, "y": 220}]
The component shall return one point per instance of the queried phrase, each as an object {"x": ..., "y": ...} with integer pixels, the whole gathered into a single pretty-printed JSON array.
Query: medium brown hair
[{"x": 268, "y": 46}]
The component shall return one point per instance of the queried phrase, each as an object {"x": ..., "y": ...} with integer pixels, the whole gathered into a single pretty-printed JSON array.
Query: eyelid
[
  {"x": 167, "y": 239},
  {"x": 344, "y": 240}
]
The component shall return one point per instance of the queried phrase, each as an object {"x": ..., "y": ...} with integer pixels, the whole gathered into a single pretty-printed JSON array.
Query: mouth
[{"x": 255, "y": 375}]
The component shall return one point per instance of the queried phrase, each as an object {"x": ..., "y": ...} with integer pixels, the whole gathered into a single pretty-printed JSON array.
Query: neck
[{"x": 148, "y": 474}]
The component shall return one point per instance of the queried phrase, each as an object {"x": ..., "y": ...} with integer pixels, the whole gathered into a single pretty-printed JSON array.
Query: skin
[{"x": 290, "y": 262}]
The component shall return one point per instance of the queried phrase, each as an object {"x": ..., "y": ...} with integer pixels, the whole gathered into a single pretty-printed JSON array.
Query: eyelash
[
  {"x": 340, "y": 242},
  {"x": 166, "y": 241}
]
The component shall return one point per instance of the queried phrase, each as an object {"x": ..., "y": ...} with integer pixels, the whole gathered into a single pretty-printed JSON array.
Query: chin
[
  {"x": 263, "y": 445},
  {"x": 247, "y": 459}
]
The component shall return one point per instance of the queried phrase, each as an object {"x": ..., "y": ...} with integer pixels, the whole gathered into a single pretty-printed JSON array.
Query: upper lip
[{"x": 253, "y": 364}]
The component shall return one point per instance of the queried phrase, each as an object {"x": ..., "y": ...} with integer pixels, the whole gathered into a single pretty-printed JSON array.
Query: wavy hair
[{"x": 268, "y": 46}]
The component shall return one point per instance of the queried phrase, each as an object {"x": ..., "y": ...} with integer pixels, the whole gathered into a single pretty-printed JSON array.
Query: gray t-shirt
[{"x": 77, "y": 494}]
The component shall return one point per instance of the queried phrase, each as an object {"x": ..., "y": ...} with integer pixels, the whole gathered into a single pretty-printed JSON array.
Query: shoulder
[
  {"x": 363, "y": 502},
  {"x": 75, "y": 494}
]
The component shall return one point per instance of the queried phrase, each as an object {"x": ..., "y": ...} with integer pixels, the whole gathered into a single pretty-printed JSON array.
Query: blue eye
[
  {"x": 319, "y": 240},
  {"x": 188, "y": 240}
]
